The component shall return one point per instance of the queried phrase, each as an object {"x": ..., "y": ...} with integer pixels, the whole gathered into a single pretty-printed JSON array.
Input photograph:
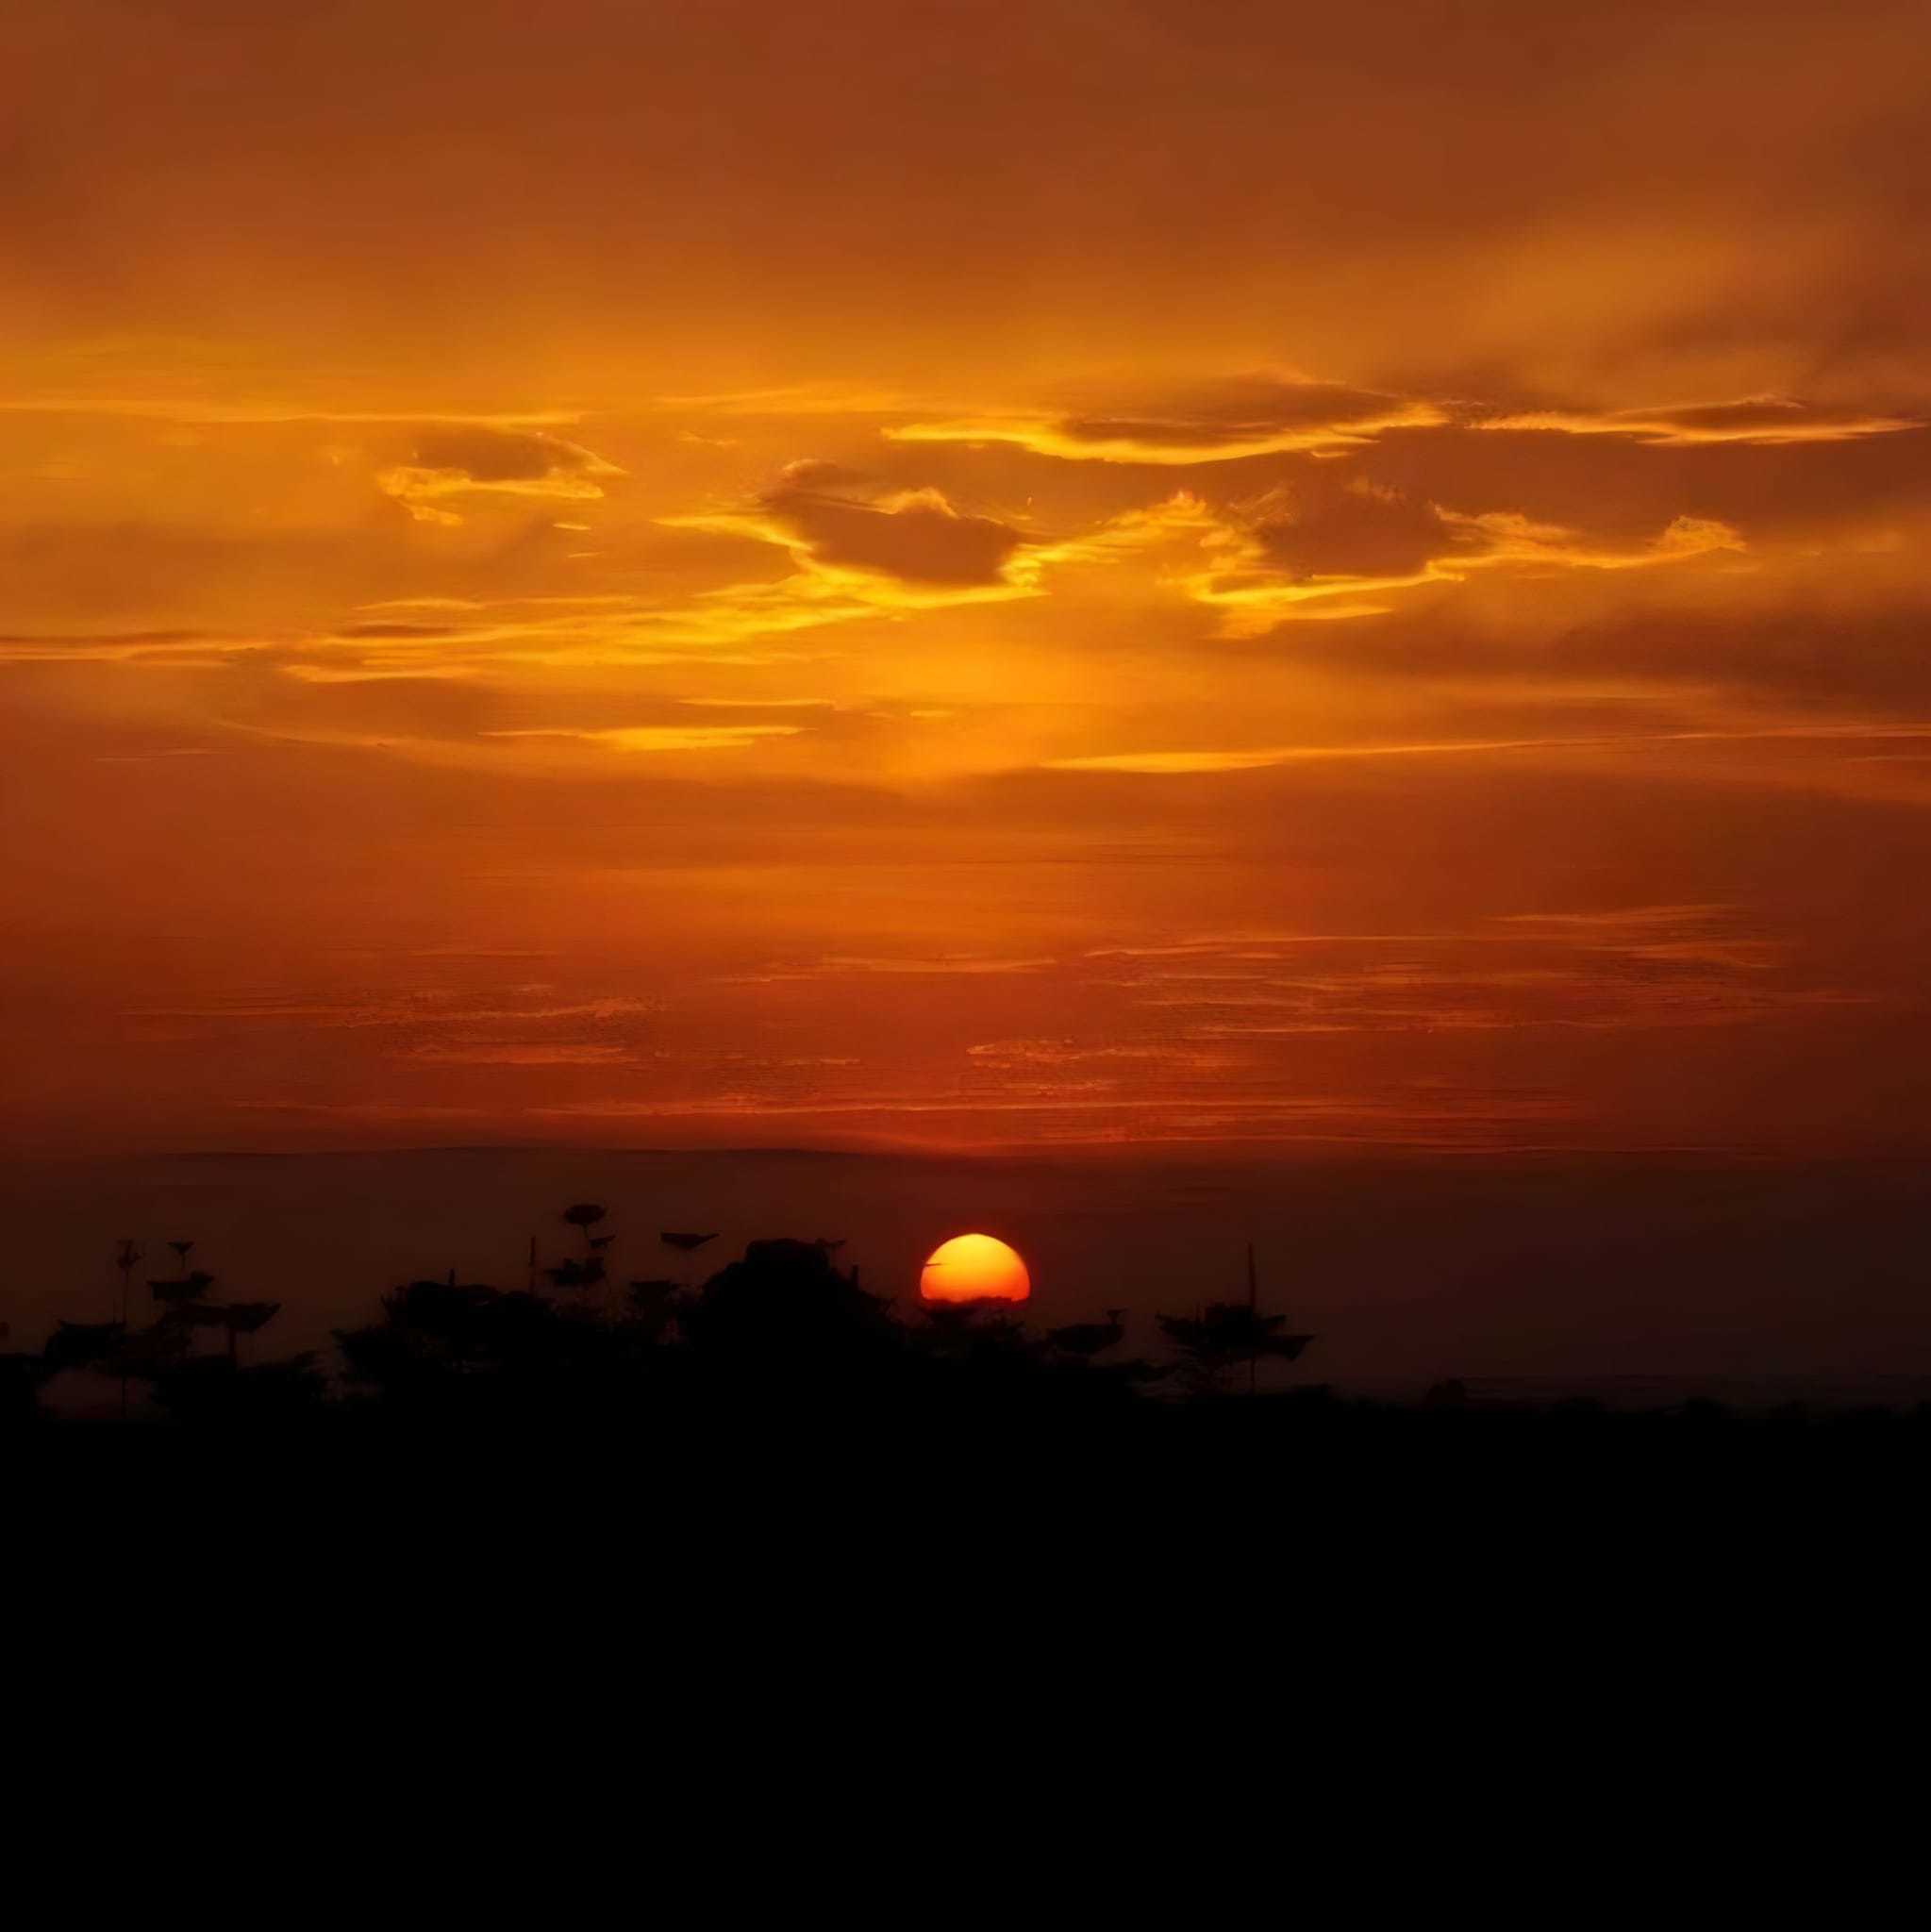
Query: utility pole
[
  {"x": 1253, "y": 1321},
  {"x": 125, "y": 1255}
]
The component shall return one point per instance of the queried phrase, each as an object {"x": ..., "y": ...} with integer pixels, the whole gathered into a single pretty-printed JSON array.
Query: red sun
[{"x": 975, "y": 1268}]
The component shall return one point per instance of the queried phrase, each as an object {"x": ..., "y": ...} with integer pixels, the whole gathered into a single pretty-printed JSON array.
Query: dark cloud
[
  {"x": 396, "y": 630},
  {"x": 1621, "y": 486},
  {"x": 1225, "y": 420},
  {"x": 467, "y": 460},
  {"x": 1824, "y": 658},
  {"x": 914, "y": 535},
  {"x": 95, "y": 643},
  {"x": 1352, "y": 531},
  {"x": 499, "y": 456},
  {"x": 1754, "y": 419},
  {"x": 1240, "y": 412}
]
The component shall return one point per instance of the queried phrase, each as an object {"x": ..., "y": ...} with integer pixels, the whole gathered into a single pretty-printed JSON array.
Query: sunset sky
[{"x": 977, "y": 574}]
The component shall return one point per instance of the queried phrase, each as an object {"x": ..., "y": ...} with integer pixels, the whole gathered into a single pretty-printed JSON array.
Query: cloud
[
  {"x": 520, "y": 1055},
  {"x": 266, "y": 414},
  {"x": 1765, "y": 421},
  {"x": 1176, "y": 763},
  {"x": 1250, "y": 416},
  {"x": 660, "y": 738},
  {"x": 1268, "y": 560},
  {"x": 970, "y": 963},
  {"x": 107, "y": 648},
  {"x": 1421, "y": 1118},
  {"x": 1598, "y": 971},
  {"x": 468, "y": 460},
  {"x": 903, "y": 546},
  {"x": 1007, "y": 1053},
  {"x": 943, "y": 965},
  {"x": 1675, "y": 934},
  {"x": 1154, "y": 763},
  {"x": 1360, "y": 531},
  {"x": 761, "y": 704},
  {"x": 914, "y": 535}
]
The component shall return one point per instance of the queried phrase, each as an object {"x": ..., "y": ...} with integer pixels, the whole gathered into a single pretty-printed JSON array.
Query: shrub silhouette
[
  {"x": 212, "y": 1390},
  {"x": 1089, "y": 1338},
  {"x": 21, "y": 1376},
  {"x": 653, "y": 1306}
]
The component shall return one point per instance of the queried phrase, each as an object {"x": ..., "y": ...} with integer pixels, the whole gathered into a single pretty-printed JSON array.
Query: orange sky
[{"x": 964, "y": 573}]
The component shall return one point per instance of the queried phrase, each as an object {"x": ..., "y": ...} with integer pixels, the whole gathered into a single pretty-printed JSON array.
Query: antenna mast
[{"x": 1254, "y": 1320}]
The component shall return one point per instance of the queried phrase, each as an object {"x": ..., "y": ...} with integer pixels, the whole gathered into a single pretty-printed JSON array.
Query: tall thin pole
[
  {"x": 126, "y": 1257},
  {"x": 1253, "y": 1321}
]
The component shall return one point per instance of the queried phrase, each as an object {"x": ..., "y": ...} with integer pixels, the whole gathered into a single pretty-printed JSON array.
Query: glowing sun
[{"x": 975, "y": 1268}]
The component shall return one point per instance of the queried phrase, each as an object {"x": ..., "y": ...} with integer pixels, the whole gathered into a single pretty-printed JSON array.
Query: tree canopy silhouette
[{"x": 1225, "y": 1336}]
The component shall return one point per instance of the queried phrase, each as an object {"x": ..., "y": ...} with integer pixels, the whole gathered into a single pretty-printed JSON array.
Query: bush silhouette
[{"x": 212, "y": 1391}]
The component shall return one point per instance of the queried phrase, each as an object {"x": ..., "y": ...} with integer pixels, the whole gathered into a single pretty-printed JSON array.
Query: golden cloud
[
  {"x": 470, "y": 460},
  {"x": 1247, "y": 417},
  {"x": 1261, "y": 570},
  {"x": 660, "y": 738},
  {"x": 1155, "y": 763},
  {"x": 861, "y": 554},
  {"x": 1765, "y": 421}
]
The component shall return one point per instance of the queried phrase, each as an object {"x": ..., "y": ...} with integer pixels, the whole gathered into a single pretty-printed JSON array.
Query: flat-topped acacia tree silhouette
[
  {"x": 1087, "y": 1340},
  {"x": 161, "y": 1352},
  {"x": 587, "y": 1271},
  {"x": 127, "y": 1257}
]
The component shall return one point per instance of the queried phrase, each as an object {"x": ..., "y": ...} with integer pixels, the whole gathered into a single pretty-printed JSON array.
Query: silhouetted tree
[
  {"x": 583, "y": 1216},
  {"x": 1089, "y": 1338},
  {"x": 588, "y": 1271},
  {"x": 977, "y": 1335},
  {"x": 1225, "y": 1336},
  {"x": 443, "y": 1349},
  {"x": 182, "y": 1288},
  {"x": 127, "y": 1258},
  {"x": 786, "y": 1305},
  {"x": 246, "y": 1318}
]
